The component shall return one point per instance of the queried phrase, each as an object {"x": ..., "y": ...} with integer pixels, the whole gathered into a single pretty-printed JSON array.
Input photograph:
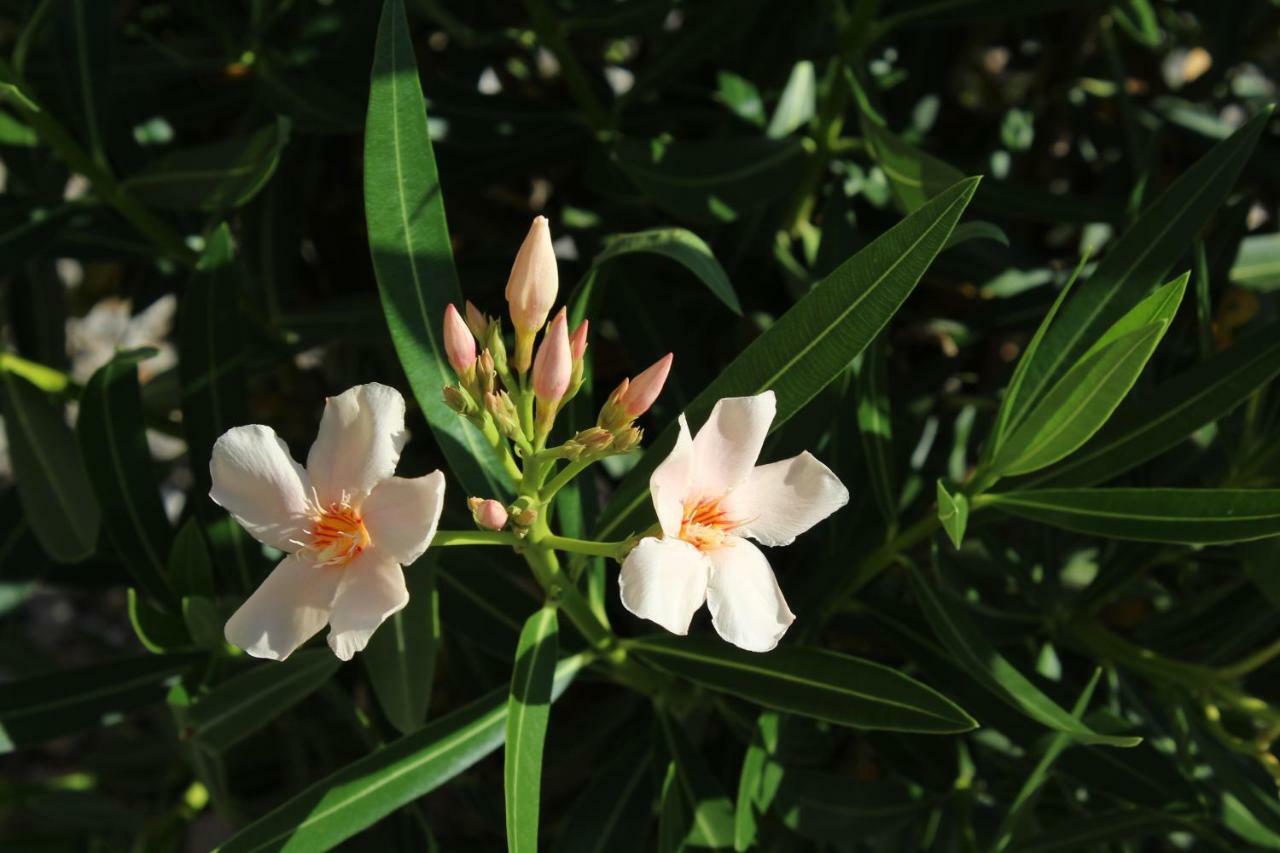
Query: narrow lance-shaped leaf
[
  {"x": 409, "y": 239},
  {"x": 342, "y": 804},
  {"x": 250, "y": 701},
  {"x": 817, "y": 338},
  {"x": 401, "y": 655},
  {"x": 528, "y": 708},
  {"x": 113, "y": 439},
  {"x": 1081, "y": 402},
  {"x": 764, "y": 742},
  {"x": 994, "y": 672},
  {"x": 57, "y": 498},
  {"x": 1194, "y": 516},
  {"x": 811, "y": 682},
  {"x": 680, "y": 245},
  {"x": 875, "y": 426},
  {"x": 1143, "y": 255},
  {"x": 709, "y": 812}
]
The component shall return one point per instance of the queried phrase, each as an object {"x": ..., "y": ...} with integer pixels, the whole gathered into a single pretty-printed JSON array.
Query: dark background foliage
[{"x": 752, "y": 123}]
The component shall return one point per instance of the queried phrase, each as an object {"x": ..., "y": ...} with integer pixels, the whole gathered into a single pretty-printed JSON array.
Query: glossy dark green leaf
[
  {"x": 250, "y": 701},
  {"x": 157, "y": 630},
  {"x": 682, "y": 246},
  {"x": 829, "y": 808},
  {"x": 914, "y": 176},
  {"x": 57, "y": 498},
  {"x": 36, "y": 709},
  {"x": 953, "y": 512},
  {"x": 409, "y": 239},
  {"x": 401, "y": 655},
  {"x": 813, "y": 342},
  {"x": 708, "y": 807},
  {"x": 1142, "y": 256},
  {"x": 975, "y": 653},
  {"x": 220, "y": 176},
  {"x": 810, "y": 682},
  {"x": 113, "y": 440},
  {"x": 362, "y": 793},
  {"x": 528, "y": 708},
  {"x": 613, "y": 811},
  {"x": 1197, "y": 516},
  {"x": 188, "y": 567},
  {"x": 1147, "y": 425}
]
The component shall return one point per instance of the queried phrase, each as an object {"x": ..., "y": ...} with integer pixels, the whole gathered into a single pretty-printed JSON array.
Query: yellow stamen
[
  {"x": 338, "y": 536},
  {"x": 705, "y": 524}
]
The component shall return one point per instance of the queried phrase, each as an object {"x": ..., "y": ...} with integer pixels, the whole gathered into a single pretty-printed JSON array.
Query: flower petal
[
  {"x": 372, "y": 589},
  {"x": 669, "y": 482},
  {"x": 359, "y": 442},
  {"x": 747, "y": 607},
  {"x": 728, "y": 444},
  {"x": 401, "y": 515},
  {"x": 778, "y": 502},
  {"x": 290, "y": 606},
  {"x": 257, "y": 481},
  {"x": 664, "y": 581}
]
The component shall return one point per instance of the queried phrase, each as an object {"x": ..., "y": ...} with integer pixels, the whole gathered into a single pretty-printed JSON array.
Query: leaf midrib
[
  {"x": 1130, "y": 516},
  {"x": 211, "y": 724}
]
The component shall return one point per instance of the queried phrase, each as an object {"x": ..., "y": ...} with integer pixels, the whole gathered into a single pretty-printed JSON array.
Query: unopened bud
[
  {"x": 459, "y": 345},
  {"x": 553, "y": 367},
  {"x": 477, "y": 322},
  {"x": 503, "y": 412},
  {"x": 531, "y": 288},
  {"x": 486, "y": 376},
  {"x": 646, "y": 387},
  {"x": 458, "y": 400},
  {"x": 578, "y": 341},
  {"x": 626, "y": 439},
  {"x": 488, "y": 513},
  {"x": 594, "y": 440},
  {"x": 496, "y": 346}
]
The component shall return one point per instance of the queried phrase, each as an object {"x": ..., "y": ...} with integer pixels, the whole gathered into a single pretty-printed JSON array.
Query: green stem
[
  {"x": 614, "y": 550},
  {"x": 559, "y": 481},
  {"x": 492, "y": 436},
  {"x": 475, "y": 537},
  {"x": 1248, "y": 664}
]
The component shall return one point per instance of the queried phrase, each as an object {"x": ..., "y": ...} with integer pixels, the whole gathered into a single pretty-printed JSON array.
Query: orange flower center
[
  {"x": 338, "y": 536},
  {"x": 705, "y": 524}
]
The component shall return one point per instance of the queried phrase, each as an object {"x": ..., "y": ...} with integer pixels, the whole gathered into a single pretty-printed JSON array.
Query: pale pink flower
[
  {"x": 459, "y": 345},
  {"x": 489, "y": 514},
  {"x": 553, "y": 365},
  {"x": 709, "y": 494},
  {"x": 347, "y": 523},
  {"x": 642, "y": 391},
  {"x": 578, "y": 341},
  {"x": 534, "y": 280}
]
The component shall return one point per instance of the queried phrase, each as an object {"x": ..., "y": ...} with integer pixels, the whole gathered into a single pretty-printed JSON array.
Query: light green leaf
[
  {"x": 1257, "y": 264},
  {"x": 1142, "y": 256},
  {"x": 741, "y": 96},
  {"x": 797, "y": 104},
  {"x": 953, "y": 512},
  {"x": 764, "y": 742},
  {"x": 221, "y": 176},
  {"x": 1197, "y": 516},
  {"x": 157, "y": 630},
  {"x": 977, "y": 230},
  {"x": 810, "y": 682},
  {"x": 1147, "y": 425},
  {"x": 367, "y": 790},
  {"x": 409, "y": 239},
  {"x": 528, "y": 708},
  {"x": 682, "y": 246},
  {"x": 1159, "y": 307},
  {"x": 48, "y": 706},
  {"x": 113, "y": 441},
  {"x": 816, "y": 339},
  {"x": 401, "y": 655},
  {"x": 250, "y": 701},
  {"x": 978, "y": 657},
  {"x": 57, "y": 498}
]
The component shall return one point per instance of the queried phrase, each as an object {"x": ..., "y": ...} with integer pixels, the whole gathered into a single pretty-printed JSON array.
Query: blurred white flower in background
[{"x": 111, "y": 326}]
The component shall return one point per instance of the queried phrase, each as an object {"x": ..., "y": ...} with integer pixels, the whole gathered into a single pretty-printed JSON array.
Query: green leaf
[
  {"x": 48, "y": 706},
  {"x": 712, "y": 181},
  {"x": 972, "y": 651},
  {"x": 953, "y": 512},
  {"x": 682, "y": 246},
  {"x": 409, "y": 239},
  {"x": 709, "y": 810},
  {"x": 1095, "y": 831},
  {"x": 811, "y": 682},
  {"x": 1159, "y": 307},
  {"x": 83, "y": 37},
  {"x": 204, "y": 623},
  {"x": 613, "y": 812},
  {"x": 1257, "y": 264},
  {"x": 367, "y": 790},
  {"x": 57, "y": 498},
  {"x": 914, "y": 176},
  {"x": 188, "y": 567},
  {"x": 157, "y": 630},
  {"x": 1146, "y": 252},
  {"x": 401, "y": 656},
  {"x": 797, "y": 104},
  {"x": 249, "y": 702},
  {"x": 764, "y": 743},
  {"x": 1196, "y": 516},
  {"x": 741, "y": 96},
  {"x": 528, "y": 708},
  {"x": 830, "y": 808},
  {"x": 875, "y": 426},
  {"x": 1147, "y": 425},
  {"x": 113, "y": 440},
  {"x": 816, "y": 339},
  {"x": 217, "y": 177},
  {"x": 977, "y": 230}
]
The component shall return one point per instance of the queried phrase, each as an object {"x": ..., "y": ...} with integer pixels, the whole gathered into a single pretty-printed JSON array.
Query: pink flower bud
[
  {"x": 646, "y": 387},
  {"x": 578, "y": 341},
  {"x": 488, "y": 514},
  {"x": 553, "y": 365},
  {"x": 459, "y": 345},
  {"x": 531, "y": 289},
  {"x": 477, "y": 322}
]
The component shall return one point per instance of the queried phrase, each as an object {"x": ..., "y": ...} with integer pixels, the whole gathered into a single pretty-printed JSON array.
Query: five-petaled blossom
[
  {"x": 708, "y": 495},
  {"x": 347, "y": 523}
]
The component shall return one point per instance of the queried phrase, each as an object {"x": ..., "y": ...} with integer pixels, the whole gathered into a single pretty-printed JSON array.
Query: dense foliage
[{"x": 1048, "y": 617}]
